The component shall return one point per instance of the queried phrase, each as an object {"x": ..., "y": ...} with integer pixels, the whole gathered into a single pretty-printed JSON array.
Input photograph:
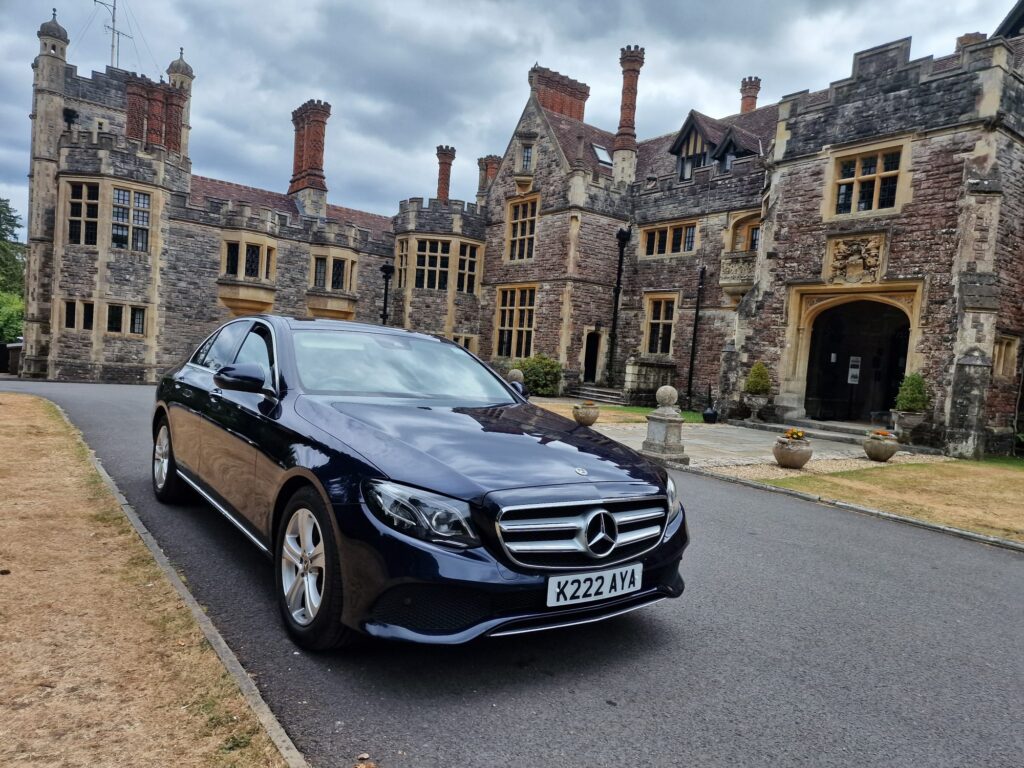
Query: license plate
[{"x": 576, "y": 588}]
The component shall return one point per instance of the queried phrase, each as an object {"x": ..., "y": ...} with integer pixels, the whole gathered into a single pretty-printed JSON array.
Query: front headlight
[
  {"x": 674, "y": 507},
  {"x": 425, "y": 515}
]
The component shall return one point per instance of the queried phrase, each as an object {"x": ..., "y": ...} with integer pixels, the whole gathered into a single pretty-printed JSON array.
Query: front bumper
[{"x": 401, "y": 588}]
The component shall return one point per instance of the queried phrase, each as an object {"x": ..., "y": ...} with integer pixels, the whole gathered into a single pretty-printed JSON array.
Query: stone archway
[
  {"x": 856, "y": 360},
  {"x": 805, "y": 304}
]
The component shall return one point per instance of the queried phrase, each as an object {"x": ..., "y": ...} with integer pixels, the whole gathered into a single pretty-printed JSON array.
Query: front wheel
[
  {"x": 167, "y": 486},
  {"x": 309, "y": 590}
]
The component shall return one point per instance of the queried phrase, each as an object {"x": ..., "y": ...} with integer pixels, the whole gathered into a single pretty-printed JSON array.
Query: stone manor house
[{"x": 844, "y": 236}]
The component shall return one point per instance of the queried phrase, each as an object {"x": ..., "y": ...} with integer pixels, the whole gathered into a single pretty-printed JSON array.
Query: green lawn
[
  {"x": 1009, "y": 462},
  {"x": 691, "y": 417}
]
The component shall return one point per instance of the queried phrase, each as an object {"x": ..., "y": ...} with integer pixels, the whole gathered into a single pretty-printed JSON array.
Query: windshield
[{"x": 377, "y": 365}]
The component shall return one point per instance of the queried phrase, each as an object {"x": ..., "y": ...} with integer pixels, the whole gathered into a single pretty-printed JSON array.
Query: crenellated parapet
[{"x": 451, "y": 217}]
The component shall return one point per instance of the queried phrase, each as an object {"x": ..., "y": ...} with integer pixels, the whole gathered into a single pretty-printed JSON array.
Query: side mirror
[
  {"x": 243, "y": 377},
  {"x": 519, "y": 387}
]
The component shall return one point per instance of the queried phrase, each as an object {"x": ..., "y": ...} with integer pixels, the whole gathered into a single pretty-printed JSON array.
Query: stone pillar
[
  {"x": 624, "y": 157},
  {"x": 749, "y": 88},
  {"x": 664, "y": 443},
  {"x": 445, "y": 158}
]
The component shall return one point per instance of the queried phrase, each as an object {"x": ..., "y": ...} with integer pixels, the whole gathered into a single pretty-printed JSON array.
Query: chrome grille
[{"x": 569, "y": 535}]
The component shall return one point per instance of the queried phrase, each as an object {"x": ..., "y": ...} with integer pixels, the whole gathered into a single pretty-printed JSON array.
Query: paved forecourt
[{"x": 807, "y": 636}]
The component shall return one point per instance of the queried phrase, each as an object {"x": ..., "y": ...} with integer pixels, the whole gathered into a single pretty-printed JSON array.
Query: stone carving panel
[{"x": 855, "y": 260}]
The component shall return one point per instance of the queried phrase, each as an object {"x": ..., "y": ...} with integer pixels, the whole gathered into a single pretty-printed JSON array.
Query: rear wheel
[
  {"x": 309, "y": 589},
  {"x": 167, "y": 486}
]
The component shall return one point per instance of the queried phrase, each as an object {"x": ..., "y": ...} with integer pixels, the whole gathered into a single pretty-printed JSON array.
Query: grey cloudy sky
[{"x": 403, "y": 76}]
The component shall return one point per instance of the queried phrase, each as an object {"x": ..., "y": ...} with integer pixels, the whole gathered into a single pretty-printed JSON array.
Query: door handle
[{"x": 215, "y": 395}]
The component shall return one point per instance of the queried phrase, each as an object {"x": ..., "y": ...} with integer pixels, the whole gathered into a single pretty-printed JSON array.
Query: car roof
[{"x": 321, "y": 324}]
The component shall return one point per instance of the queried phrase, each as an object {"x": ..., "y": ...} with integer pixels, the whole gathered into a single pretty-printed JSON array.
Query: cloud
[{"x": 404, "y": 76}]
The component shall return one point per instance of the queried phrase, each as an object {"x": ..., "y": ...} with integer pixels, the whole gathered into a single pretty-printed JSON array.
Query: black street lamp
[
  {"x": 623, "y": 237},
  {"x": 387, "y": 270}
]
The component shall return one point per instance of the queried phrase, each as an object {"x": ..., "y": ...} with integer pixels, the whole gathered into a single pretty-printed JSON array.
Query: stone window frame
[
  {"x": 525, "y": 157},
  {"x": 468, "y": 268},
  {"x": 468, "y": 341},
  {"x": 401, "y": 261},
  {"x": 526, "y": 242},
  {"x": 740, "y": 232},
  {"x": 520, "y": 331},
  {"x": 857, "y": 152},
  {"x": 1005, "y": 352},
  {"x": 650, "y": 297},
  {"x": 439, "y": 271},
  {"x": 82, "y": 219},
  {"x": 134, "y": 212},
  {"x": 267, "y": 264},
  {"x": 128, "y": 310},
  {"x": 332, "y": 256},
  {"x": 651, "y": 235},
  {"x": 79, "y": 316}
]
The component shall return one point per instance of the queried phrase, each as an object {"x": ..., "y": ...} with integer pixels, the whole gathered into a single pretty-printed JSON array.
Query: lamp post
[
  {"x": 387, "y": 270},
  {"x": 623, "y": 237}
]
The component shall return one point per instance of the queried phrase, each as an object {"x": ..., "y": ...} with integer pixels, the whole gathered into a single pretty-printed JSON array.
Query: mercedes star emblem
[
  {"x": 601, "y": 533},
  {"x": 581, "y": 471}
]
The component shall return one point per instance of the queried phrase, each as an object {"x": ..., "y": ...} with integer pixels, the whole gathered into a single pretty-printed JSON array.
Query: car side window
[
  {"x": 258, "y": 348},
  {"x": 203, "y": 351},
  {"x": 223, "y": 349}
]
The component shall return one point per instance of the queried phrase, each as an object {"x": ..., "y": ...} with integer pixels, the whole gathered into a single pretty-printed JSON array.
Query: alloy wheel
[
  {"x": 161, "y": 457},
  {"x": 302, "y": 566}
]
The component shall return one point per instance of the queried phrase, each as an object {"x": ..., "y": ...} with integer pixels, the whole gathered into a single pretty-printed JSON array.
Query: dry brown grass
[
  {"x": 101, "y": 664},
  {"x": 977, "y": 496}
]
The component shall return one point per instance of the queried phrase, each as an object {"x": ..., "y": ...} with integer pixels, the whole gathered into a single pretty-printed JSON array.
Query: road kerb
[
  {"x": 994, "y": 541},
  {"x": 289, "y": 752}
]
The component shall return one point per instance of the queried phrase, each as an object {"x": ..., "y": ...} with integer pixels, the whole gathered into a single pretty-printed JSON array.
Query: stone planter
[
  {"x": 585, "y": 414},
  {"x": 880, "y": 449},
  {"x": 792, "y": 454},
  {"x": 755, "y": 403},
  {"x": 908, "y": 420}
]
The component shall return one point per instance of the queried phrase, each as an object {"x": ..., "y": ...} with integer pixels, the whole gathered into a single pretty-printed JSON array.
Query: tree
[
  {"x": 12, "y": 258},
  {"x": 12, "y": 313}
]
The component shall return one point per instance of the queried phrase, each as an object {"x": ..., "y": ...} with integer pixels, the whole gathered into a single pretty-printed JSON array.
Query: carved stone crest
[{"x": 855, "y": 259}]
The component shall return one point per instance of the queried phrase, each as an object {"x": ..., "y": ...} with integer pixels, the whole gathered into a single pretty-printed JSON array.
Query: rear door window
[{"x": 222, "y": 351}]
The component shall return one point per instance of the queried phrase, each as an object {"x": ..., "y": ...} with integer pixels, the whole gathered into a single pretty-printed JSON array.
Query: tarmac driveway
[{"x": 807, "y": 636}]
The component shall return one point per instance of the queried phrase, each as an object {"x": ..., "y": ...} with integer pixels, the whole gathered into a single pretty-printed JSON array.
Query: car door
[
  {"x": 184, "y": 405},
  {"x": 210, "y": 464},
  {"x": 231, "y": 445}
]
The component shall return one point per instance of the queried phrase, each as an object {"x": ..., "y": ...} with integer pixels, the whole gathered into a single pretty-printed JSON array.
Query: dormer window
[
  {"x": 694, "y": 155},
  {"x": 602, "y": 154},
  {"x": 527, "y": 163}
]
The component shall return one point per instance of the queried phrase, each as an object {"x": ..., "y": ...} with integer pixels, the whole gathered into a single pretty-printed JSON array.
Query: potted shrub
[
  {"x": 880, "y": 445},
  {"x": 710, "y": 415},
  {"x": 586, "y": 413},
  {"x": 792, "y": 449},
  {"x": 911, "y": 402},
  {"x": 756, "y": 389}
]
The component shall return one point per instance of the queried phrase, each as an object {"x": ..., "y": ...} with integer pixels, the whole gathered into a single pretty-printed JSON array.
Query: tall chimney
[
  {"x": 309, "y": 185},
  {"x": 491, "y": 164},
  {"x": 749, "y": 88},
  {"x": 445, "y": 158},
  {"x": 624, "y": 157}
]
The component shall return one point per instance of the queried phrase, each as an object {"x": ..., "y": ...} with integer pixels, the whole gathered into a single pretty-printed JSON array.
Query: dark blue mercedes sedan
[{"x": 404, "y": 490}]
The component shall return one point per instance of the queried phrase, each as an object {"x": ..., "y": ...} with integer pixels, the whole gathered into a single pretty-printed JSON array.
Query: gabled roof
[
  {"x": 566, "y": 132},
  {"x": 204, "y": 188},
  {"x": 749, "y": 131},
  {"x": 1012, "y": 25}
]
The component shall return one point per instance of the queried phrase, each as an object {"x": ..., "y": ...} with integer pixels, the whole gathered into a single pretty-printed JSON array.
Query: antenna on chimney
[{"x": 115, "y": 33}]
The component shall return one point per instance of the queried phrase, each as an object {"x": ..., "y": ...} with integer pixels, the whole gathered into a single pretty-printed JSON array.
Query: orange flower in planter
[
  {"x": 793, "y": 434},
  {"x": 881, "y": 434}
]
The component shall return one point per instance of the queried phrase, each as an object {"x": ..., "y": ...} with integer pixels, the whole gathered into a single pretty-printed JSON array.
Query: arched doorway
[
  {"x": 591, "y": 357},
  {"x": 858, "y": 354}
]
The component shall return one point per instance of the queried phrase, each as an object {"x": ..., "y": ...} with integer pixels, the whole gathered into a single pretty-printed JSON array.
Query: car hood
[{"x": 468, "y": 452}]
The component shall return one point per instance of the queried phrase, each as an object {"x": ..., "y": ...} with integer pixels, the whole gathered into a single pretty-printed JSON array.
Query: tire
[
  {"x": 308, "y": 575},
  {"x": 167, "y": 486}
]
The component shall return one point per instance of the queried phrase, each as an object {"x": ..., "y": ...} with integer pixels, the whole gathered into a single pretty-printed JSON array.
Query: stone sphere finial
[
  {"x": 516, "y": 375},
  {"x": 666, "y": 396}
]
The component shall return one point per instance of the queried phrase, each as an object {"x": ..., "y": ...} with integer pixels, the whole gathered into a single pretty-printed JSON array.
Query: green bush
[
  {"x": 758, "y": 380},
  {"x": 12, "y": 314},
  {"x": 913, "y": 395},
  {"x": 542, "y": 375}
]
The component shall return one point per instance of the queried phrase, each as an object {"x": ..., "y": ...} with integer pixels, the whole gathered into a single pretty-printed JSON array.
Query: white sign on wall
[{"x": 853, "y": 376}]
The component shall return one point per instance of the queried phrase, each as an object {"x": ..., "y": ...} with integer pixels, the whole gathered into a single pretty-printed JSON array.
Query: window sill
[
  {"x": 862, "y": 215},
  {"x": 256, "y": 282},
  {"x": 331, "y": 292},
  {"x": 657, "y": 256}
]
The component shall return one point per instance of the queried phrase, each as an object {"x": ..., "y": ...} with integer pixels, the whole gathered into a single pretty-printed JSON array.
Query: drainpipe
[
  {"x": 693, "y": 338},
  {"x": 623, "y": 237}
]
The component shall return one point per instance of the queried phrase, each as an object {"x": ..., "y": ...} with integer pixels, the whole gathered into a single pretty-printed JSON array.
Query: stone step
[
  {"x": 850, "y": 436},
  {"x": 821, "y": 426},
  {"x": 599, "y": 394}
]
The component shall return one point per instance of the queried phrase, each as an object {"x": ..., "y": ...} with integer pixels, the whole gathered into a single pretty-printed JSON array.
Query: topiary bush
[
  {"x": 541, "y": 374},
  {"x": 758, "y": 380},
  {"x": 913, "y": 394}
]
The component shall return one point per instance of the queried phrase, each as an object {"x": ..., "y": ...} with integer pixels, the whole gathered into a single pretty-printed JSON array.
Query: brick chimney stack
[
  {"x": 970, "y": 39},
  {"x": 749, "y": 88},
  {"x": 309, "y": 185},
  {"x": 624, "y": 156},
  {"x": 445, "y": 158},
  {"x": 558, "y": 93}
]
